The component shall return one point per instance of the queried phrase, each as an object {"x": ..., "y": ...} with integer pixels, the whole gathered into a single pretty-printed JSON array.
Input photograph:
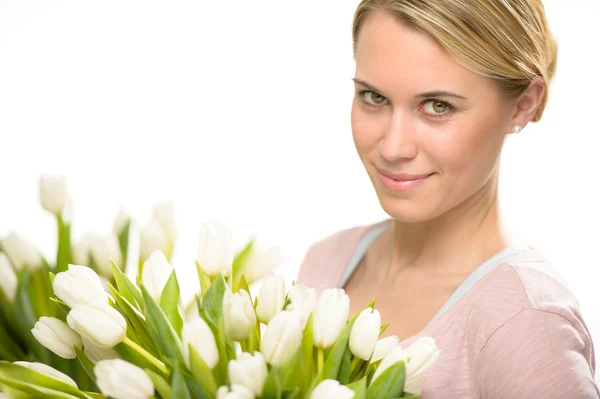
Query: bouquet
[{"x": 113, "y": 337}]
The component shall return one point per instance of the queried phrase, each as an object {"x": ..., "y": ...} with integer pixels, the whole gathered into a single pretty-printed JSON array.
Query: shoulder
[
  {"x": 326, "y": 258},
  {"x": 526, "y": 281}
]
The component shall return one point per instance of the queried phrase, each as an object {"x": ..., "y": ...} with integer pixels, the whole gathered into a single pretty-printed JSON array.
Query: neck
[{"x": 455, "y": 242}]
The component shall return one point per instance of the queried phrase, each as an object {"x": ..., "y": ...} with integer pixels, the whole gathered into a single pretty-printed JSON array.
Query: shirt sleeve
[{"x": 536, "y": 354}]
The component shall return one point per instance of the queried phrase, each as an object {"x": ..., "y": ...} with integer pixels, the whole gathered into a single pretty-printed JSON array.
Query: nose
[{"x": 398, "y": 142}]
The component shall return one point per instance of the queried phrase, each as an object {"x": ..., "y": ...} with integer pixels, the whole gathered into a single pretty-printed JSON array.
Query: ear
[{"x": 528, "y": 102}]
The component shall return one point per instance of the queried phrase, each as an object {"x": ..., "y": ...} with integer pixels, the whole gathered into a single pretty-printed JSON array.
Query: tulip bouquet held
[{"x": 134, "y": 342}]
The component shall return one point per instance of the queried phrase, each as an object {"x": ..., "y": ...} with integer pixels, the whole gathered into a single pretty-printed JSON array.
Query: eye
[
  {"x": 437, "y": 108},
  {"x": 372, "y": 98}
]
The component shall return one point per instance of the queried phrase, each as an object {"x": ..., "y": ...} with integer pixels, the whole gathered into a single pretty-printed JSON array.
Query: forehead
[{"x": 392, "y": 55}]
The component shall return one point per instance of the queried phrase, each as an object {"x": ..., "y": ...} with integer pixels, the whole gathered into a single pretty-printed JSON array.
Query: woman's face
[{"x": 417, "y": 112}]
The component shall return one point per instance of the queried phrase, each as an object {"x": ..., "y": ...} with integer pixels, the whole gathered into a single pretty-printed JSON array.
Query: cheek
[{"x": 365, "y": 130}]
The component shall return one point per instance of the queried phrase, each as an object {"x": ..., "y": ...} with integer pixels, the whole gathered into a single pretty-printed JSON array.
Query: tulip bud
[
  {"x": 103, "y": 249},
  {"x": 303, "y": 299},
  {"x": 48, "y": 372},
  {"x": 122, "y": 380},
  {"x": 282, "y": 338},
  {"x": 249, "y": 371},
  {"x": 238, "y": 315},
  {"x": 95, "y": 353},
  {"x": 8, "y": 278},
  {"x": 394, "y": 356},
  {"x": 329, "y": 389},
  {"x": 104, "y": 326},
  {"x": 330, "y": 316},
  {"x": 215, "y": 252},
  {"x": 364, "y": 333},
  {"x": 271, "y": 298},
  {"x": 199, "y": 335},
  {"x": 156, "y": 273},
  {"x": 383, "y": 347},
  {"x": 421, "y": 355},
  {"x": 21, "y": 252},
  {"x": 165, "y": 215},
  {"x": 80, "y": 285},
  {"x": 414, "y": 385},
  {"x": 57, "y": 336},
  {"x": 237, "y": 392},
  {"x": 261, "y": 262},
  {"x": 53, "y": 193},
  {"x": 152, "y": 238}
]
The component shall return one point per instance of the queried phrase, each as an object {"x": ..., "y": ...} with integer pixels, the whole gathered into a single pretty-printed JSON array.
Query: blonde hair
[{"x": 507, "y": 40}]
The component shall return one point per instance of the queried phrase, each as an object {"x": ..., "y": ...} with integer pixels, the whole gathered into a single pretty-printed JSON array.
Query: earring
[{"x": 517, "y": 129}]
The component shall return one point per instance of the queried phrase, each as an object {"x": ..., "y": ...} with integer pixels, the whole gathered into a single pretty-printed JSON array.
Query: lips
[{"x": 403, "y": 177}]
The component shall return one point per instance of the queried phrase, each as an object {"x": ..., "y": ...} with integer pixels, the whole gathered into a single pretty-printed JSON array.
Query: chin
[{"x": 407, "y": 210}]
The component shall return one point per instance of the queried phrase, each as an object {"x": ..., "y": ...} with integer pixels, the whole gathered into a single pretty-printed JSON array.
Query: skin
[{"x": 449, "y": 225}]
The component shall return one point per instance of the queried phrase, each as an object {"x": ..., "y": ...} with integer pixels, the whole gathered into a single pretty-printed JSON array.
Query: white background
[{"x": 239, "y": 110}]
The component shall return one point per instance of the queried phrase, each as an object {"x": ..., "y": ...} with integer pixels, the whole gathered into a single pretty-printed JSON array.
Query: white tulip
[
  {"x": 261, "y": 262},
  {"x": 53, "y": 193},
  {"x": 383, "y": 347},
  {"x": 331, "y": 389},
  {"x": 165, "y": 215},
  {"x": 21, "y": 252},
  {"x": 414, "y": 385},
  {"x": 394, "y": 356},
  {"x": 198, "y": 334},
  {"x": 103, "y": 249},
  {"x": 271, "y": 298},
  {"x": 48, "y": 372},
  {"x": 95, "y": 353},
  {"x": 238, "y": 315},
  {"x": 282, "y": 338},
  {"x": 250, "y": 371},
  {"x": 236, "y": 392},
  {"x": 156, "y": 272},
  {"x": 330, "y": 316},
  {"x": 215, "y": 252},
  {"x": 80, "y": 285},
  {"x": 121, "y": 220},
  {"x": 364, "y": 333},
  {"x": 57, "y": 336},
  {"x": 152, "y": 237},
  {"x": 303, "y": 299},
  {"x": 421, "y": 355},
  {"x": 5, "y": 396},
  {"x": 103, "y": 326},
  {"x": 8, "y": 278},
  {"x": 122, "y": 380}
]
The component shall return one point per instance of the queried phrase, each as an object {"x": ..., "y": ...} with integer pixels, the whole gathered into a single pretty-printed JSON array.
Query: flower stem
[
  {"x": 320, "y": 359},
  {"x": 147, "y": 356}
]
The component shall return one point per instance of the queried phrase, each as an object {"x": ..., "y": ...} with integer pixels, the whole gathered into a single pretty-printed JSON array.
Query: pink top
[{"x": 516, "y": 333}]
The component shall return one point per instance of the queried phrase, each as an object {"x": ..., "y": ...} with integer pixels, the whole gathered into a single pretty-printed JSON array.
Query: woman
[{"x": 439, "y": 86}]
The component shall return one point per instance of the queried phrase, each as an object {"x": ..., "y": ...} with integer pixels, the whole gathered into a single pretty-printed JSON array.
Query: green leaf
[
  {"x": 291, "y": 394},
  {"x": 126, "y": 288},
  {"x": 169, "y": 302},
  {"x": 86, "y": 363},
  {"x": 202, "y": 372},
  {"x": 160, "y": 384},
  {"x": 203, "y": 278},
  {"x": 308, "y": 364},
  {"x": 389, "y": 384},
  {"x": 9, "y": 349},
  {"x": 195, "y": 388},
  {"x": 213, "y": 300},
  {"x": 132, "y": 353},
  {"x": 136, "y": 320},
  {"x": 240, "y": 260},
  {"x": 345, "y": 367},
  {"x": 64, "y": 245},
  {"x": 383, "y": 328},
  {"x": 410, "y": 396},
  {"x": 161, "y": 330},
  {"x": 180, "y": 389},
  {"x": 334, "y": 360},
  {"x": 124, "y": 241},
  {"x": 25, "y": 318},
  {"x": 273, "y": 387},
  {"x": 36, "y": 384},
  {"x": 360, "y": 388}
]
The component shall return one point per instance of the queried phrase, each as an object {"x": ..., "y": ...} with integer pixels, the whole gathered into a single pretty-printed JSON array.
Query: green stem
[
  {"x": 146, "y": 355},
  {"x": 320, "y": 359},
  {"x": 140, "y": 268},
  {"x": 64, "y": 244}
]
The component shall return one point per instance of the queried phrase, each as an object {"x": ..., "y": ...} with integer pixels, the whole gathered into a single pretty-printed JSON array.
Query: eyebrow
[{"x": 435, "y": 93}]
